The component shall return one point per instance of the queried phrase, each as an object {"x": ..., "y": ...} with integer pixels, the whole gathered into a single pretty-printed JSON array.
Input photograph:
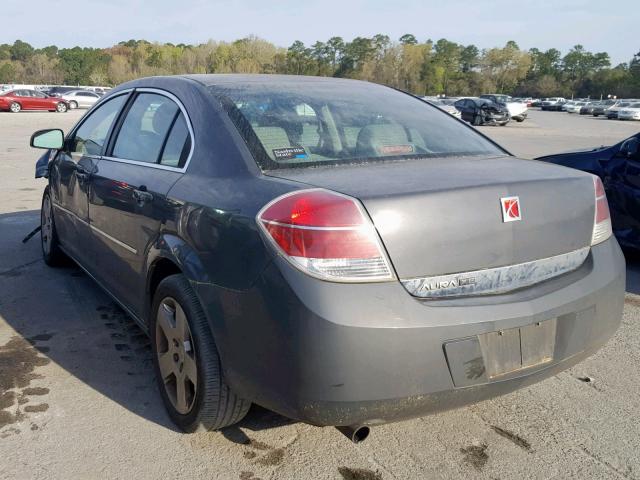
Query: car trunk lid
[{"x": 444, "y": 215}]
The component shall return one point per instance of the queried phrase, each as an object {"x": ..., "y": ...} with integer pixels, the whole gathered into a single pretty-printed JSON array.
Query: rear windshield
[{"x": 303, "y": 124}]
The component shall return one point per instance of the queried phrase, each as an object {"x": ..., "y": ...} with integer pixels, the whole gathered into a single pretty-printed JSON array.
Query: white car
[
  {"x": 81, "y": 98},
  {"x": 612, "y": 113},
  {"x": 574, "y": 107},
  {"x": 631, "y": 112},
  {"x": 444, "y": 104}
]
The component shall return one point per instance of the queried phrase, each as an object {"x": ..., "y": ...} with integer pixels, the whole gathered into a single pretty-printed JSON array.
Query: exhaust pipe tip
[{"x": 355, "y": 433}]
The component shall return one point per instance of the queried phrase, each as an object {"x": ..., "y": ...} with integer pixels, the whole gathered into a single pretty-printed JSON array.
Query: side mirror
[
  {"x": 52, "y": 139},
  {"x": 630, "y": 148}
]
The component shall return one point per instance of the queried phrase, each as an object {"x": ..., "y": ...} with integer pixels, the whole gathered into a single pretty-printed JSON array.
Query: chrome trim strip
[
  {"x": 495, "y": 280},
  {"x": 114, "y": 240},
  {"x": 69, "y": 212},
  {"x": 305, "y": 227},
  {"x": 189, "y": 127}
]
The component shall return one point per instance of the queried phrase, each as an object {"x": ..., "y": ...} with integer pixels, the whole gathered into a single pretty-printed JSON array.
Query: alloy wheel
[
  {"x": 15, "y": 107},
  {"x": 176, "y": 355},
  {"x": 61, "y": 108}
]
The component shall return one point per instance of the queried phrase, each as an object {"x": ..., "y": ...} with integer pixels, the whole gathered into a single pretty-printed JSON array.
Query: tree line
[{"x": 423, "y": 68}]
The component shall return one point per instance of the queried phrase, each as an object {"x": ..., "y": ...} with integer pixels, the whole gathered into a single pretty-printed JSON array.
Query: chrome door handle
[
  {"x": 142, "y": 196},
  {"x": 81, "y": 173}
]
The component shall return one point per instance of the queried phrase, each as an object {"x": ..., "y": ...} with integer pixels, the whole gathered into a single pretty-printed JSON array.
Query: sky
[{"x": 609, "y": 26}]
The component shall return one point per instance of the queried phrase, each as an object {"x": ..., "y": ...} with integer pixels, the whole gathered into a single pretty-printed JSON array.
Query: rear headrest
[
  {"x": 372, "y": 137},
  {"x": 163, "y": 117}
]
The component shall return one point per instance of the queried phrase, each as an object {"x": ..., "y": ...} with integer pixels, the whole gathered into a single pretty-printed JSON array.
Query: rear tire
[
  {"x": 73, "y": 105},
  {"x": 52, "y": 254},
  {"x": 186, "y": 362},
  {"x": 15, "y": 107}
]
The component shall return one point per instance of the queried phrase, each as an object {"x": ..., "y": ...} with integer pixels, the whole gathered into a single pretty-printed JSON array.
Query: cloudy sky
[{"x": 609, "y": 26}]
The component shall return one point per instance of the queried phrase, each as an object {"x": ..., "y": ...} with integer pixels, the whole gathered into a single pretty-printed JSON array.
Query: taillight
[
  {"x": 602, "y": 220},
  {"x": 327, "y": 235}
]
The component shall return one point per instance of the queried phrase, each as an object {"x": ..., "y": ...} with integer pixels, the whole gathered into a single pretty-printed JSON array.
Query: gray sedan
[
  {"x": 81, "y": 98},
  {"x": 337, "y": 251}
]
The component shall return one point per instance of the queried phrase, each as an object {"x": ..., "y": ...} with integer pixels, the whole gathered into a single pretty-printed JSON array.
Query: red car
[{"x": 16, "y": 100}]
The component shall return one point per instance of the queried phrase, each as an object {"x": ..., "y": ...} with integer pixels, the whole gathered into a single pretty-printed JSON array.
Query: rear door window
[
  {"x": 178, "y": 146},
  {"x": 146, "y": 127}
]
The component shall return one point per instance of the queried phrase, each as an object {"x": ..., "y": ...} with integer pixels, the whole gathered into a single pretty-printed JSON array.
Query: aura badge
[{"x": 510, "y": 209}]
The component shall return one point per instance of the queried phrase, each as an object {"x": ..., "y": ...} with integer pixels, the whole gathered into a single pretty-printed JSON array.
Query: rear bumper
[{"x": 344, "y": 354}]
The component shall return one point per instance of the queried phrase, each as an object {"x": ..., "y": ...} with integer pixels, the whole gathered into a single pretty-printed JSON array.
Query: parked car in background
[
  {"x": 337, "y": 251},
  {"x": 574, "y": 107},
  {"x": 618, "y": 167},
  {"x": 517, "y": 110},
  {"x": 446, "y": 105},
  {"x": 612, "y": 113},
  {"x": 59, "y": 91},
  {"x": 18, "y": 100},
  {"x": 480, "y": 111},
  {"x": 553, "y": 104},
  {"x": 632, "y": 112},
  {"x": 602, "y": 107},
  {"x": 587, "y": 108},
  {"x": 80, "y": 98},
  {"x": 99, "y": 90}
]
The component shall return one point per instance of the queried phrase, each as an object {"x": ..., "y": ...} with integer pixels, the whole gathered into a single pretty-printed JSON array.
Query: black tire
[
  {"x": 61, "y": 107},
  {"x": 15, "y": 107},
  {"x": 73, "y": 105},
  {"x": 519, "y": 120},
  {"x": 51, "y": 251},
  {"x": 214, "y": 404}
]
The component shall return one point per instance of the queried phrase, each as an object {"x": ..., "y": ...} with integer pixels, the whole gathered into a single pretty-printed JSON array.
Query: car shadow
[{"x": 65, "y": 318}]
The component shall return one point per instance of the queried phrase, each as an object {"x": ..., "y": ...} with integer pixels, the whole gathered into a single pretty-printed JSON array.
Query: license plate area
[{"x": 510, "y": 350}]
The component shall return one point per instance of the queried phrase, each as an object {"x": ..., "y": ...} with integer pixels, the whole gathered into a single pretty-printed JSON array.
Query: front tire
[
  {"x": 187, "y": 364},
  {"x": 15, "y": 107},
  {"x": 52, "y": 254},
  {"x": 61, "y": 107}
]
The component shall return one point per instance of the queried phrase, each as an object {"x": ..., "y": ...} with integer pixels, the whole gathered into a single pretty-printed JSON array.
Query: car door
[
  {"x": 461, "y": 106},
  {"x": 27, "y": 102},
  {"x": 39, "y": 100},
  {"x": 83, "y": 99},
  {"x": 622, "y": 183},
  {"x": 71, "y": 177},
  {"x": 468, "y": 110},
  {"x": 147, "y": 155}
]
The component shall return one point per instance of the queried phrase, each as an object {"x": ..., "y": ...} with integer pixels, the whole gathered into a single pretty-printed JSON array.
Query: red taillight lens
[
  {"x": 602, "y": 221},
  {"x": 327, "y": 235}
]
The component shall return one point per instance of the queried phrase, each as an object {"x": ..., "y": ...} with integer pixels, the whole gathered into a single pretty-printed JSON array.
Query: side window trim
[
  {"x": 73, "y": 132},
  {"x": 113, "y": 135},
  {"x": 166, "y": 138}
]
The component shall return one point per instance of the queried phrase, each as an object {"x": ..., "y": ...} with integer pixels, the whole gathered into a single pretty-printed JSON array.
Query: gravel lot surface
[{"x": 78, "y": 398}]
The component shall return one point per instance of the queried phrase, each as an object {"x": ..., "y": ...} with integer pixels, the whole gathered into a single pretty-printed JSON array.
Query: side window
[
  {"x": 145, "y": 128},
  {"x": 92, "y": 134},
  {"x": 178, "y": 145}
]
